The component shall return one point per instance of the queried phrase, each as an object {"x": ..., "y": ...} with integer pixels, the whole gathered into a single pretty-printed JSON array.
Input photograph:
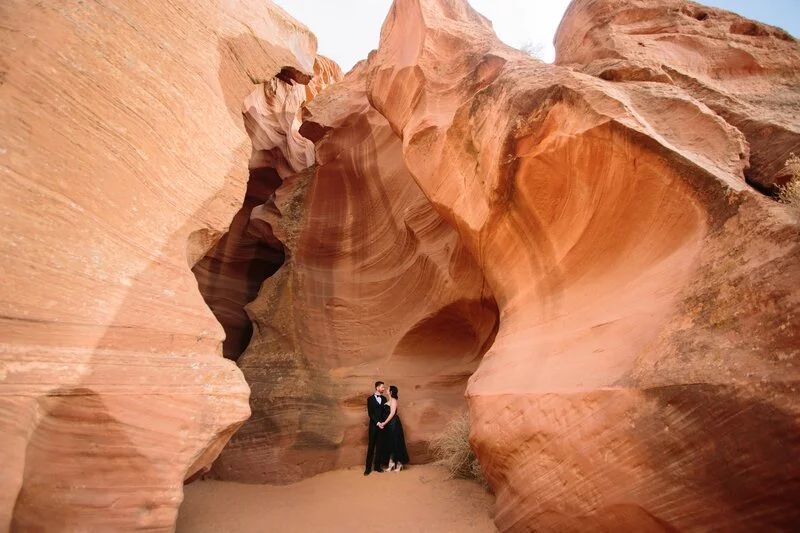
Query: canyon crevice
[{"x": 375, "y": 283}]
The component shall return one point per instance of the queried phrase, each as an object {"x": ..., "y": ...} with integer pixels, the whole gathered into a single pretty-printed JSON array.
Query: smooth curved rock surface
[
  {"x": 644, "y": 374},
  {"x": 744, "y": 70},
  {"x": 230, "y": 274},
  {"x": 273, "y": 117},
  {"x": 589, "y": 224},
  {"x": 123, "y": 158},
  {"x": 375, "y": 285}
]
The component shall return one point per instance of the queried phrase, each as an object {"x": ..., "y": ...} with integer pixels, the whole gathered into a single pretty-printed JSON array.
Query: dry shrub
[
  {"x": 790, "y": 193},
  {"x": 451, "y": 449}
]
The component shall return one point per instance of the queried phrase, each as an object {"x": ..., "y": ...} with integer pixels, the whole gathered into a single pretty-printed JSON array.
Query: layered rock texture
[
  {"x": 375, "y": 284},
  {"x": 585, "y": 248},
  {"x": 595, "y": 223},
  {"x": 123, "y": 156},
  {"x": 644, "y": 373},
  {"x": 743, "y": 70}
]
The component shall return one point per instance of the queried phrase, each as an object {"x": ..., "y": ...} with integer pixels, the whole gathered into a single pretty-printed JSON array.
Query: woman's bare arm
[{"x": 392, "y": 411}]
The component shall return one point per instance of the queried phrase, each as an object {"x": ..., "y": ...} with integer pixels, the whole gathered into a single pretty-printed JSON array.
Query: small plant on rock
[{"x": 790, "y": 192}]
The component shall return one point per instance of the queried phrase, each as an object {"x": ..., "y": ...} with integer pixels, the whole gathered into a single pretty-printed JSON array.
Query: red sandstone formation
[
  {"x": 743, "y": 70},
  {"x": 594, "y": 216},
  {"x": 230, "y": 275},
  {"x": 326, "y": 72},
  {"x": 375, "y": 283},
  {"x": 643, "y": 375},
  {"x": 124, "y": 157},
  {"x": 646, "y": 293}
]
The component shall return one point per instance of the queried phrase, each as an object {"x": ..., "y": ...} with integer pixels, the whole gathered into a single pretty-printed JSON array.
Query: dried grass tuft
[
  {"x": 790, "y": 192},
  {"x": 451, "y": 449}
]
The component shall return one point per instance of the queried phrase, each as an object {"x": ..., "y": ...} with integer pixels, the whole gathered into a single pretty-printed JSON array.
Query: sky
[{"x": 348, "y": 29}]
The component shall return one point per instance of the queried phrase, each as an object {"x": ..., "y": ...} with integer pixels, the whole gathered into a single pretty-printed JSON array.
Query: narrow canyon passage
[
  {"x": 231, "y": 273},
  {"x": 373, "y": 284}
]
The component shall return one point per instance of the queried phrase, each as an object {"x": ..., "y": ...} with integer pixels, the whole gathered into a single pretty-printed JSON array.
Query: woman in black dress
[{"x": 394, "y": 449}]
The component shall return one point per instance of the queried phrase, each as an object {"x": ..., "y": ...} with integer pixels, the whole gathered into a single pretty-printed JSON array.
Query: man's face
[{"x": 381, "y": 389}]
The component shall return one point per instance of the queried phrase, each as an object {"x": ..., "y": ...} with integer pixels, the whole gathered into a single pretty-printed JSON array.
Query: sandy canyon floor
[{"x": 418, "y": 499}]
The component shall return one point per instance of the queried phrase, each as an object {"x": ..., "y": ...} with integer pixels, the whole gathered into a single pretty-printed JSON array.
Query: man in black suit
[{"x": 375, "y": 412}]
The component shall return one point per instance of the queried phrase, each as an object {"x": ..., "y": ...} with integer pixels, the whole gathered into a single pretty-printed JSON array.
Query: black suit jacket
[{"x": 375, "y": 409}]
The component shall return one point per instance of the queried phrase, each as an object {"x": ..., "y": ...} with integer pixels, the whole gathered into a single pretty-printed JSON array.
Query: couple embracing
[{"x": 386, "y": 451}]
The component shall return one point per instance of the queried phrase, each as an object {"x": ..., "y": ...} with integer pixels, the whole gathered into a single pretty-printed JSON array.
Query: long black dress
[{"x": 393, "y": 441}]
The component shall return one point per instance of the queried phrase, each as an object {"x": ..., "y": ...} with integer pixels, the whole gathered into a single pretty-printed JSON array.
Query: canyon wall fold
[
  {"x": 375, "y": 285},
  {"x": 643, "y": 377},
  {"x": 231, "y": 273},
  {"x": 123, "y": 157}
]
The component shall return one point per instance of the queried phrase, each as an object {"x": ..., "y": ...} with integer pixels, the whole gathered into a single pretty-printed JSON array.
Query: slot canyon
[{"x": 215, "y": 241}]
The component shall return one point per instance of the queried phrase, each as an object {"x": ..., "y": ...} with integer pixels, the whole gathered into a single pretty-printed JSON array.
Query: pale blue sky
[{"x": 348, "y": 29}]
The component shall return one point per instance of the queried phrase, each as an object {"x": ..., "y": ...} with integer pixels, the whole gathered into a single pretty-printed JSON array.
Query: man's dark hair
[{"x": 378, "y": 384}]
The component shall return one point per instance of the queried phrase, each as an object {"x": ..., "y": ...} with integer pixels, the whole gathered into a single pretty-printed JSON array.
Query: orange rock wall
[
  {"x": 643, "y": 365},
  {"x": 744, "y": 70},
  {"x": 123, "y": 159},
  {"x": 376, "y": 285}
]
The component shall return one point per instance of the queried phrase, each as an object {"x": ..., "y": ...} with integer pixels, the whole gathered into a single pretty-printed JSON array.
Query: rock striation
[
  {"x": 584, "y": 247},
  {"x": 230, "y": 275},
  {"x": 123, "y": 157},
  {"x": 743, "y": 70},
  {"x": 636, "y": 294},
  {"x": 375, "y": 284},
  {"x": 644, "y": 371}
]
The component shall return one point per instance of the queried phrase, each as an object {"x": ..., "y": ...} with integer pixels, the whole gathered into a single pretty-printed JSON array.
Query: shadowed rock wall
[{"x": 123, "y": 157}]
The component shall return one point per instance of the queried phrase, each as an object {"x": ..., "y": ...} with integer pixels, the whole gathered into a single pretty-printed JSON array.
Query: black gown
[{"x": 393, "y": 440}]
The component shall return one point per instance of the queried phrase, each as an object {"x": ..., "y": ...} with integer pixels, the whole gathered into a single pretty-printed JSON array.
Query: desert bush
[
  {"x": 790, "y": 193},
  {"x": 451, "y": 449}
]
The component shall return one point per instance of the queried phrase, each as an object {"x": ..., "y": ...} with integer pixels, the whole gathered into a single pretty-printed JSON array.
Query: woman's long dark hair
[{"x": 393, "y": 391}]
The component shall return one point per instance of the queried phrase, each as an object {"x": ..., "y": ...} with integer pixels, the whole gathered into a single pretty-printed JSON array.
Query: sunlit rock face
[
  {"x": 124, "y": 157},
  {"x": 743, "y": 70},
  {"x": 376, "y": 285},
  {"x": 642, "y": 376}
]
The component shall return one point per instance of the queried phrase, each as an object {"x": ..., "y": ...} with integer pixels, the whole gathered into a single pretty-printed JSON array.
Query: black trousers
[{"x": 374, "y": 437}]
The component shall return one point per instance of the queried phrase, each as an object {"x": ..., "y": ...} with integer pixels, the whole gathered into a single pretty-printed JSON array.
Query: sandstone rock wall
[
  {"x": 123, "y": 157},
  {"x": 375, "y": 285},
  {"x": 643, "y": 374},
  {"x": 744, "y": 70}
]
